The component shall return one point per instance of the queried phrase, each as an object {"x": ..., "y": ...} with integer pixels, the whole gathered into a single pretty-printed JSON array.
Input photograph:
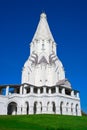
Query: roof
[{"x": 43, "y": 31}]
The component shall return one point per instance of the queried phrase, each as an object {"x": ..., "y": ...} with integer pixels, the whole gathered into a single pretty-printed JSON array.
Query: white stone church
[{"x": 44, "y": 88}]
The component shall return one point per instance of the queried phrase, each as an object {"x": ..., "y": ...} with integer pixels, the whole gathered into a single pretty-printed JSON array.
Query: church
[{"x": 44, "y": 89}]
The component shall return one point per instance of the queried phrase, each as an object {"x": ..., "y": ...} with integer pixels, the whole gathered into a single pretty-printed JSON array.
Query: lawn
[{"x": 43, "y": 122}]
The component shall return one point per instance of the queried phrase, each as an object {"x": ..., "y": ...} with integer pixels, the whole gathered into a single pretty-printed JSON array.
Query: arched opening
[
  {"x": 27, "y": 107},
  {"x": 53, "y": 90},
  {"x": 35, "y": 107},
  {"x": 41, "y": 90},
  {"x": 76, "y": 109},
  {"x": 12, "y": 108},
  {"x": 48, "y": 106},
  {"x": 61, "y": 108},
  {"x": 47, "y": 90},
  {"x": 35, "y": 89},
  {"x": 53, "y": 107},
  {"x": 72, "y": 108},
  {"x": 41, "y": 107},
  {"x": 67, "y": 107},
  {"x": 28, "y": 90}
]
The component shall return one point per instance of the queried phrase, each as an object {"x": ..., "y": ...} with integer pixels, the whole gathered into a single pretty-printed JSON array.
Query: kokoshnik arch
[{"x": 44, "y": 88}]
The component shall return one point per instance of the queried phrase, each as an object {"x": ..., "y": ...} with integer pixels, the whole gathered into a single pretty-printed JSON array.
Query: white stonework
[{"x": 44, "y": 88}]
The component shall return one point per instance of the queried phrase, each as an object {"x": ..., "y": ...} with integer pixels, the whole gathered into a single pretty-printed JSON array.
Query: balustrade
[{"x": 26, "y": 89}]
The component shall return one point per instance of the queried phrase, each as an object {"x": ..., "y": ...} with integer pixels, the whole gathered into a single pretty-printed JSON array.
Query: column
[
  {"x": 72, "y": 93},
  {"x": 57, "y": 109},
  {"x": 74, "y": 110},
  {"x": 38, "y": 108},
  {"x": 79, "y": 112},
  {"x": 31, "y": 89},
  {"x": 24, "y": 90},
  {"x": 57, "y": 89},
  {"x": 49, "y": 90},
  {"x": 50, "y": 108},
  {"x": 63, "y": 91},
  {"x": 21, "y": 87},
  {"x": 18, "y": 110},
  {"x": 44, "y": 90},
  {"x": 24, "y": 112},
  {"x": 69, "y": 110},
  {"x": 77, "y": 94},
  {"x": 31, "y": 111},
  {"x": 64, "y": 110},
  {"x": 44, "y": 109},
  {"x": 7, "y": 90},
  {"x": 44, "y": 106},
  {"x": 38, "y": 89}
]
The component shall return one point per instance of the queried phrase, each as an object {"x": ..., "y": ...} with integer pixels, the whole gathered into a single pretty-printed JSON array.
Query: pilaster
[
  {"x": 57, "y": 109},
  {"x": 38, "y": 108},
  {"x": 44, "y": 109},
  {"x": 50, "y": 111},
  {"x": 18, "y": 110},
  {"x": 69, "y": 111},
  {"x": 24, "y": 110},
  {"x": 64, "y": 110},
  {"x": 31, "y": 111}
]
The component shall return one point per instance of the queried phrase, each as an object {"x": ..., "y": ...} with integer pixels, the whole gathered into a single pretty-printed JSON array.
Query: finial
[{"x": 43, "y": 15}]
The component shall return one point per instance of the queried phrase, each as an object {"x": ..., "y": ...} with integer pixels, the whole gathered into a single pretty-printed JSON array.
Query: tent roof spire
[{"x": 43, "y": 31}]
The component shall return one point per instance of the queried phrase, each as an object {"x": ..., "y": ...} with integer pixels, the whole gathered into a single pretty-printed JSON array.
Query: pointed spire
[{"x": 43, "y": 31}]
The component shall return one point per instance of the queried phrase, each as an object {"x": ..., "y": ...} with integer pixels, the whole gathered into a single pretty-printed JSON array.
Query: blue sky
[{"x": 68, "y": 22}]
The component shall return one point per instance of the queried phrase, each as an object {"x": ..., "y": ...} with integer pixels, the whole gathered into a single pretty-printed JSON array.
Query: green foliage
[
  {"x": 83, "y": 113},
  {"x": 43, "y": 122}
]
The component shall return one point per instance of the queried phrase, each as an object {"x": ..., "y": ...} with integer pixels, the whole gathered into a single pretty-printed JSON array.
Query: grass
[{"x": 43, "y": 122}]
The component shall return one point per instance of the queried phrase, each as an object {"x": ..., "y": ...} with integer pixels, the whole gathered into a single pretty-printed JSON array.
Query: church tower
[
  {"x": 44, "y": 88},
  {"x": 43, "y": 67}
]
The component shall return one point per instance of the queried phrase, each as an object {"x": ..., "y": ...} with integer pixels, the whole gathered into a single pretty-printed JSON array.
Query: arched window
[
  {"x": 35, "y": 107},
  {"x": 67, "y": 106},
  {"x": 27, "y": 107},
  {"x": 54, "y": 107},
  {"x": 77, "y": 109},
  {"x": 61, "y": 108},
  {"x": 41, "y": 107},
  {"x": 72, "y": 108},
  {"x": 12, "y": 108},
  {"x": 48, "y": 106}
]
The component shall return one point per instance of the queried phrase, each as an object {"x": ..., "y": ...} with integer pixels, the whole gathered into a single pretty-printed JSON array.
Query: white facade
[{"x": 44, "y": 88}]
